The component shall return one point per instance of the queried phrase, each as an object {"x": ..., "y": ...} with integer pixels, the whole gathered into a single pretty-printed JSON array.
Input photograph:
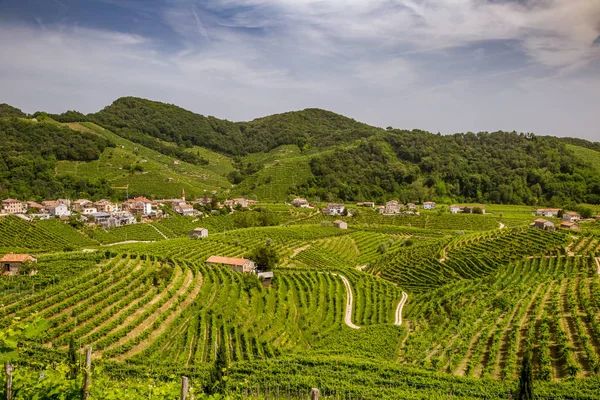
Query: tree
[
  {"x": 560, "y": 213},
  {"x": 526, "y": 380},
  {"x": 265, "y": 256},
  {"x": 72, "y": 358}
]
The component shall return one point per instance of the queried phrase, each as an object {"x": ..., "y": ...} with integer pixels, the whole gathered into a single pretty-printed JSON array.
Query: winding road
[
  {"x": 401, "y": 304},
  {"x": 349, "y": 301}
]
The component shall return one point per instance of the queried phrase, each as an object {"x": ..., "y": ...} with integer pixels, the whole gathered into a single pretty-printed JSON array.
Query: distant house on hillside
[
  {"x": 266, "y": 278},
  {"x": 392, "y": 207},
  {"x": 569, "y": 225},
  {"x": 182, "y": 208},
  {"x": 236, "y": 264},
  {"x": 300, "y": 202},
  {"x": 199, "y": 233},
  {"x": 99, "y": 218},
  {"x": 340, "y": 224},
  {"x": 334, "y": 209},
  {"x": 13, "y": 206},
  {"x": 547, "y": 212},
  {"x": 56, "y": 209},
  {"x": 571, "y": 216},
  {"x": 139, "y": 205},
  {"x": 429, "y": 205},
  {"x": 541, "y": 223},
  {"x": 11, "y": 263},
  {"x": 411, "y": 206},
  {"x": 105, "y": 206},
  {"x": 32, "y": 205},
  {"x": 455, "y": 209}
]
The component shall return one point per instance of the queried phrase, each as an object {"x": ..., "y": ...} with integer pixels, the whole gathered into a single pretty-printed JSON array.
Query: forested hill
[
  {"x": 320, "y": 154},
  {"x": 29, "y": 151},
  {"x": 141, "y": 120}
]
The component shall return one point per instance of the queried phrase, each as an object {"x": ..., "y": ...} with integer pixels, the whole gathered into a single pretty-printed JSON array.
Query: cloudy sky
[{"x": 441, "y": 65}]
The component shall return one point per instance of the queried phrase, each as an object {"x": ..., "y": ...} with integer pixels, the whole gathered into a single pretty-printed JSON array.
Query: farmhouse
[
  {"x": 266, "y": 278},
  {"x": 334, "y": 209},
  {"x": 12, "y": 262},
  {"x": 541, "y": 223},
  {"x": 199, "y": 233},
  {"x": 183, "y": 209},
  {"x": 300, "y": 202},
  {"x": 340, "y": 224},
  {"x": 569, "y": 225},
  {"x": 429, "y": 205},
  {"x": 236, "y": 264},
  {"x": 82, "y": 204},
  {"x": 571, "y": 216},
  {"x": 392, "y": 207},
  {"x": 105, "y": 206},
  {"x": 411, "y": 206},
  {"x": 139, "y": 205},
  {"x": 32, "y": 205},
  {"x": 454, "y": 209},
  {"x": 547, "y": 212},
  {"x": 13, "y": 206}
]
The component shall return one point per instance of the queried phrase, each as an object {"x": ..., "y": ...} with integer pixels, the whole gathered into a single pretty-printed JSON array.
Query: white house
[
  {"x": 334, "y": 209},
  {"x": 199, "y": 233},
  {"x": 300, "y": 202},
  {"x": 456, "y": 209},
  {"x": 547, "y": 212},
  {"x": 429, "y": 205},
  {"x": 340, "y": 224},
  {"x": 392, "y": 207},
  {"x": 571, "y": 216},
  {"x": 57, "y": 209},
  {"x": 89, "y": 211}
]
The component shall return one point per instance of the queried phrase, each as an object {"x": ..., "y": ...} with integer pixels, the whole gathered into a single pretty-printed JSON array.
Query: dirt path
[
  {"x": 127, "y": 242},
  {"x": 157, "y": 230},
  {"x": 598, "y": 264},
  {"x": 399, "y": 308},
  {"x": 502, "y": 226},
  {"x": 349, "y": 302},
  {"x": 298, "y": 250}
]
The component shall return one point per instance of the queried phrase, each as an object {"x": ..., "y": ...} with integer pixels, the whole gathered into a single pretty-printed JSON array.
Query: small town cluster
[
  {"x": 569, "y": 219},
  {"x": 107, "y": 214}
]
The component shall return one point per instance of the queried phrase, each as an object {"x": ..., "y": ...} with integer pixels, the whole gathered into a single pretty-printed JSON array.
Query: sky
[{"x": 440, "y": 65}]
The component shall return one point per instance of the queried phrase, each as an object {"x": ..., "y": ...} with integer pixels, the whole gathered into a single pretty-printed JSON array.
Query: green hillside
[{"x": 146, "y": 171}]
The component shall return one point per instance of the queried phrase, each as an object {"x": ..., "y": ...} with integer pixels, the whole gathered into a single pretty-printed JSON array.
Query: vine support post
[
  {"x": 8, "y": 369},
  {"x": 314, "y": 394},
  {"x": 185, "y": 384},
  {"x": 87, "y": 377}
]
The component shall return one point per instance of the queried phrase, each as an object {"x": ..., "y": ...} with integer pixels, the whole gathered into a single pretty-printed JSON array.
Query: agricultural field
[{"x": 444, "y": 304}]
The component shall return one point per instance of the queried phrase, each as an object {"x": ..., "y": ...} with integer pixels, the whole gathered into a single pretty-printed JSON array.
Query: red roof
[
  {"x": 227, "y": 260},
  {"x": 16, "y": 258}
]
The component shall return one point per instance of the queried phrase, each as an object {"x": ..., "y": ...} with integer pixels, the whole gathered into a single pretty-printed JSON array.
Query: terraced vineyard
[{"x": 394, "y": 299}]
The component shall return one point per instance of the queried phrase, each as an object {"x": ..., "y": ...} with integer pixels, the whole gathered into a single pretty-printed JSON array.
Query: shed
[
  {"x": 12, "y": 262},
  {"x": 266, "y": 278},
  {"x": 338, "y": 223},
  {"x": 199, "y": 233}
]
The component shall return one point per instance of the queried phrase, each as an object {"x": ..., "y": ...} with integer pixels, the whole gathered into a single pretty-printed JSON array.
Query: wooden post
[
  {"x": 87, "y": 377},
  {"x": 184, "y": 387},
  {"x": 314, "y": 394},
  {"x": 8, "y": 368}
]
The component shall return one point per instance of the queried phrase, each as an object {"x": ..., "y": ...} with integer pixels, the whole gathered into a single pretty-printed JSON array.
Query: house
[
  {"x": 89, "y": 211},
  {"x": 429, "y": 205},
  {"x": 334, "y": 209},
  {"x": 13, "y": 206},
  {"x": 366, "y": 204},
  {"x": 300, "y": 202},
  {"x": 454, "y": 209},
  {"x": 11, "y": 263},
  {"x": 182, "y": 208},
  {"x": 340, "y": 224},
  {"x": 119, "y": 218},
  {"x": 569, "y": 225},
  {"x": 236, "y": 264},
  {"x": 547, "y": 212},
  {"x": 176, "y": 162},
  {"x": 571, "y": 216},
  {"x": 199, "y": 233},
  {"x": 56, "y": 209},
  {"x": 266, "y": 278},
  {"x": 392, "y": 207},
  {"x": 32, "y": 205},
  {"x": 105, "y": 206},
  {"x": 203, "y": 201},
  {"x": 411, "y": 206},
  {"x": 82, "y": 204},
  {"x": 541, "y": 223},
  {"x": 139, "y": 205},
  {"x": 241, "y": 202},
  {"x": 99, "y": 218}
]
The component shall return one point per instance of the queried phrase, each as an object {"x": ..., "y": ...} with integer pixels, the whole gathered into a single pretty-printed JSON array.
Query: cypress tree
[
  {"x": 218, "y": 376},
  {"x": 526, "y": 379}
]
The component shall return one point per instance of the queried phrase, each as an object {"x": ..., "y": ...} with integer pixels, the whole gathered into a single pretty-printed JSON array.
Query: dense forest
[
  {"x": 499, "y": 167},
  {"x": 28, "y": 154},
  {"x": 348, "y": 160}
]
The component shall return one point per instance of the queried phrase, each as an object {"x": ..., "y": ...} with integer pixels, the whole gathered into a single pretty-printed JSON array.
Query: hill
[{"x": 325, "y": 156}]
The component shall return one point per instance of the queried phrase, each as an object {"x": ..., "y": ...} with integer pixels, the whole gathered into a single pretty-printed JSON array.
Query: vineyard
[{"x": 415, "y": 311}]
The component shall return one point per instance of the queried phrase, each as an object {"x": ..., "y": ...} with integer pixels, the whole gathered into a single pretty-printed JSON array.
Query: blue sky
[{"x": 441, "y": 65}]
